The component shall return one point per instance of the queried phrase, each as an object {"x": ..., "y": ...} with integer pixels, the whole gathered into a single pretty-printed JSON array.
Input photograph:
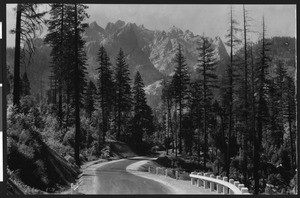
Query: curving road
[{"x": 114, "y": 179}]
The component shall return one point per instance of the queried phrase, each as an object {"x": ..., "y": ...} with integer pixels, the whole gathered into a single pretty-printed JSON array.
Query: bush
[
  {"x": 70, "y": 159},
  {"x": 105, "y": 152},
  {"x": 164, "y": 161},
  {"x": 51, "y": 130},
  {"x": 63, "y": 150},
  {"x": 184, "y": 176},
  {"x": 69, "y": 138},
  {"x": 88, "y": 132}
]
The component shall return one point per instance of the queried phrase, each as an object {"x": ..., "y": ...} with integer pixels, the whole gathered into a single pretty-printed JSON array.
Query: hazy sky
[{"x": 212, "y": 20}]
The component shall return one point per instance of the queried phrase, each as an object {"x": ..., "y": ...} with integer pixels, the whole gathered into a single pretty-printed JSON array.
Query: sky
[{"x": 212, "y": 20}]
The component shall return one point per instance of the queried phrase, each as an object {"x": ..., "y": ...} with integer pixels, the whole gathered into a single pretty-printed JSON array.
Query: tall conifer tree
[
  {"x": 232, "y": 42},
  {"x": 180, "y": 82},
  {"x": 28, "y": 22},
  {"x": 123, "y": 92},
  {"x": 57, "y": 28},
  {"x": 89, "y": 100},
  {"x": 105, "y": 86},
  {"x": 142, "y": 120},
  {"x": 206, "y": 68},
  {"x": 261, "y": 104}
]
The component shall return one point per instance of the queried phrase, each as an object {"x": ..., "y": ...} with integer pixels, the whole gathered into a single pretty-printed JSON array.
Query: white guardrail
[{"x": 221, "y": 185}]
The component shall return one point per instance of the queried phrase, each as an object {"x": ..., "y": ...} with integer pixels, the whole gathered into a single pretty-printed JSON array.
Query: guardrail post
[
  {"x": 225, "y": 189},
  {"x": 166, "y": 172},
  {"x": 245, "y": 190},
  {"x": 176, "y": 175},
  {"x": 192, "y": 179},
  {"x": 240, "y": 186},
  {"x": 206, "y": 182},
  {"x": 149, "y": 169},
  {"x": 199, "y": 181},
  {"x": 236, "y": 183},
  {"x": 219, "y": 187},
  {"x": 232, "y": 182},
  {"x": 212, "y": 184}
]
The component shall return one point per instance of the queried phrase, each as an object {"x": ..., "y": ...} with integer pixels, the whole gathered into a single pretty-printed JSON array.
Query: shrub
[
  {"x": 69, "y": 138},
  {"x": 184, "y": 176},
  {"x": 63, "y": 150},
  {"x": 164, "y": 161},
  {"x": 105, "y": 152}
]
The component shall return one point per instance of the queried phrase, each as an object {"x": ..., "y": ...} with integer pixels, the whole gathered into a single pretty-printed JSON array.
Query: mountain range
[{"x": 151, "y": 52}]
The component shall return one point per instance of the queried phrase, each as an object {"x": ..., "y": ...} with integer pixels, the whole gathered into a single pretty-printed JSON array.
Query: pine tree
[
  {"x": 206, "y": 68},
  {"x": 180, "y": 82},
  {"x": 142, "y": 120},
  {"x": 232, "y": 42},
  {"x": 28, "y": 21},
  {"x": 78, "y": 67},
  {"x": 290, "y": 115},
  {"x": 196, "y": 104},
  {"x": 123, "y": 92},
  {"x": 261, "y": 102},
  {"x": 89, "y": 101},
  {"x": 276, "y": 105},
  {"x": 105, "y": 85},
  {"x": 56, "y": 37},
  {"x": 245, "y": 134},
  {"x": 167, "y": 100}
]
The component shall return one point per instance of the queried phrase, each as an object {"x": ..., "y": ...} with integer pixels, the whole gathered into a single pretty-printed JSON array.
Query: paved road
[{"x": 113, "y": 179}]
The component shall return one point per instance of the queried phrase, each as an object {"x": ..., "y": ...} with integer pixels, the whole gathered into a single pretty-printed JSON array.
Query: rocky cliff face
[{"x": 150, "y": 52}]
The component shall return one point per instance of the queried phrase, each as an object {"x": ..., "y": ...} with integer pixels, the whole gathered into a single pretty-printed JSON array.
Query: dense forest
[{"x": 242, "y": 125}]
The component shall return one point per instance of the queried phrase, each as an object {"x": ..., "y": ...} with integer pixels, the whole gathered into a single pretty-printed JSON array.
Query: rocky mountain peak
[
  {"x": 119, "y": 23},
  {"x": 131, "y": 26},
  {"x": 94, "y": 31},
  {"x": 188, "y": 35},
  {"x": 188, "y": 32},
  {"x": 174, "y": 31},
  {"x": 94, "y": 25},
  {"x": 112, "y": 27}
]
